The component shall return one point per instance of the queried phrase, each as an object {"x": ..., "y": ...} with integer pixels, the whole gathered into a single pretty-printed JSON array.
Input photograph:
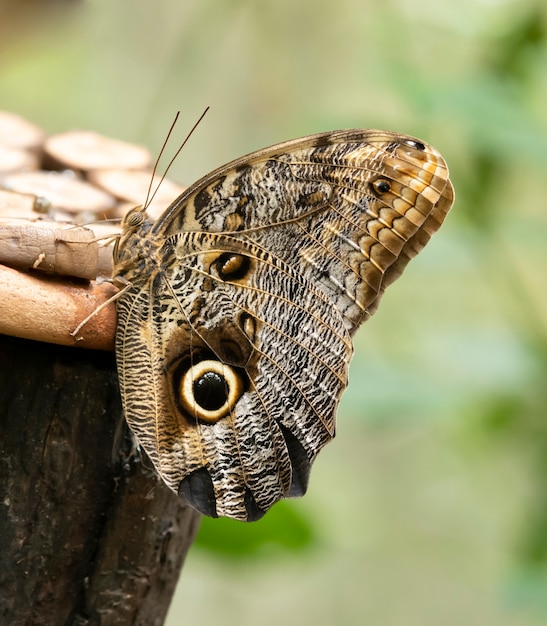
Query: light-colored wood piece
[
  {"x": 132, "y": 187},
  {"x": 17, "y": 132},
  {"x": 15, "y": 204},
  {"x": 49, "y": 247},
  {"x": 48, "y": 309},
  {"x": 86, "y": 150},
  {"x": 63, "y": 190},
  {"x": 17, "y": 160}
]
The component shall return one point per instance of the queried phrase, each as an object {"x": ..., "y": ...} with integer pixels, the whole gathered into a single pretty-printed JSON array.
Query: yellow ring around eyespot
[{"x": 234, "y": 387}]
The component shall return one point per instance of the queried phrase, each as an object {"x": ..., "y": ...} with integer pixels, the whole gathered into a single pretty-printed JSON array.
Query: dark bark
[{"x": 88, "y": 533}]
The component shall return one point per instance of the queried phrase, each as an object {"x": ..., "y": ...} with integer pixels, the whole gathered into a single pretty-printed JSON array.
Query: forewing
[{"x": 346, "y": 209}]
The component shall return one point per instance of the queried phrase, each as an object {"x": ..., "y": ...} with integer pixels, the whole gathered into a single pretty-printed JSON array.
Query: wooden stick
[{"x": 48, "y": 308}]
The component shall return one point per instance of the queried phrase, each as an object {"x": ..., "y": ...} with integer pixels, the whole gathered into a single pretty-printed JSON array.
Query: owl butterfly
[{"x": 235, "y": 324}]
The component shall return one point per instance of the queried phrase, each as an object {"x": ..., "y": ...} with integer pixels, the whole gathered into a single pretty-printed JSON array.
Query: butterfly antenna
[{"x": 149, "y": 196}]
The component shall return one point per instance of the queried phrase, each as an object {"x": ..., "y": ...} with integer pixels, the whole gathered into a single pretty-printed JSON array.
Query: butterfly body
[{"x": 235, "y": 325}]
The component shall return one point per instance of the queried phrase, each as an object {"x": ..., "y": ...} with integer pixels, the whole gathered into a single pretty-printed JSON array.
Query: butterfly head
[{"x": 133, "y": 243}]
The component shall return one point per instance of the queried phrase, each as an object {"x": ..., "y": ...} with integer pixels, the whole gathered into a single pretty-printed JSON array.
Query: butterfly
[{"x": 238, "y": 307}]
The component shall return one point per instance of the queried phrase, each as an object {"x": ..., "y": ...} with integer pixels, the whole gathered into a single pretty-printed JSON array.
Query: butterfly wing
[
  {"x": 234, "y": 337},
  {"x": 359, "y": 203}
]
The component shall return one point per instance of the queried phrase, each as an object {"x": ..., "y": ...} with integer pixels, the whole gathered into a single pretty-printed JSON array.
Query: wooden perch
[{"x": 88, "y": 533}]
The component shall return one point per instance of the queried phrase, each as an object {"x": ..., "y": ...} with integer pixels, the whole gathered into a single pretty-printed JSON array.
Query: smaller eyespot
[
  {"x": 381, "y": 186},
  {"x": 415, "y": 144},
  {"x": 231, "y": 266},
  {"x": 247, "y": 323}
]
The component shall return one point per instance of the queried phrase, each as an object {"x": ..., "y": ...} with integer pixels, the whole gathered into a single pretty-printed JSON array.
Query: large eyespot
[
  {"x": 208, "y": 390},
  {"x": 380, "y": 186},
  {"x": 232, "y": 266}
]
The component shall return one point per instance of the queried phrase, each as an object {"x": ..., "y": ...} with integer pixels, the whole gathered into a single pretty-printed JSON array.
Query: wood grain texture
[{"x": 88, "y": 533}]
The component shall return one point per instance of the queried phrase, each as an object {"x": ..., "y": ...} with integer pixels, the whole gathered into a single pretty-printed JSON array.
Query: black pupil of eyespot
[
  {"x": 383, "y": 186},
  {"x": 416, "y": 144},
  {"x": 232, "y": 266},
  {"x": 211, "y": 391}
]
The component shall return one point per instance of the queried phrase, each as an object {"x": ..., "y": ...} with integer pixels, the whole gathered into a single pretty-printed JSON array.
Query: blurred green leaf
[{"x": 282, "y": 529}]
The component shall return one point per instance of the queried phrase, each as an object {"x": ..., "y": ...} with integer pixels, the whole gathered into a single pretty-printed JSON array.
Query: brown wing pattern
[{"x": 234, "y": 336}]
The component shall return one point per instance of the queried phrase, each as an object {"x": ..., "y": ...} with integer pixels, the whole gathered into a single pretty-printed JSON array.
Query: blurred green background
[{"x": 431, "y": 505}]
